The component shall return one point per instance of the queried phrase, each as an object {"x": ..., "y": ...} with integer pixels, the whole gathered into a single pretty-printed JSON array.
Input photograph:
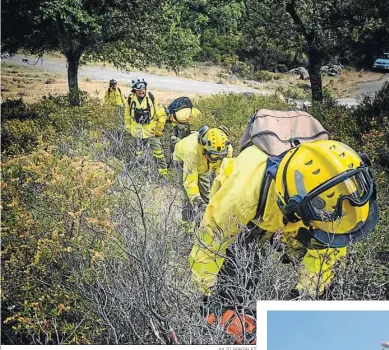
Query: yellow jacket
[
  {"x": 157, "y": 116},
  {"x": 114, "y": 97},
  {"x": 195, "y": 164},
  {"x": 234, "y": 202}
]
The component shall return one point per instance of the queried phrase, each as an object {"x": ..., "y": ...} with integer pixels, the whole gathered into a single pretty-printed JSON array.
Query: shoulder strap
[
  {"x": 272, "y": 165},
  {"x": 131, "y": 103},
  {"x": 152, "y": 98}
]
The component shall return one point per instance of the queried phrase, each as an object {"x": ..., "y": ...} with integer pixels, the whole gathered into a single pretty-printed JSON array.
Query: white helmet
[{"x": 138, "y": 83}]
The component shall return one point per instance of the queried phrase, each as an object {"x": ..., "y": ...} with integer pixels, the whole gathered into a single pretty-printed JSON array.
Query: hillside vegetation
[{"x": 92, "y": 250}]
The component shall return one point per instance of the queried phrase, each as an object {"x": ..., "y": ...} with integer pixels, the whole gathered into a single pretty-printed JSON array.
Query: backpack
[
  {"x": 178, "y": 104},
  {"x": 275, "y": 132}
]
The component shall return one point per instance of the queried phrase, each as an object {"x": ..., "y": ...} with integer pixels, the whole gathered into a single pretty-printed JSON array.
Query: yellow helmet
[
  {"x": 214, "y": 142},
  {"x": 184, "y": 115},
  {"x": 326, "y": 181}
]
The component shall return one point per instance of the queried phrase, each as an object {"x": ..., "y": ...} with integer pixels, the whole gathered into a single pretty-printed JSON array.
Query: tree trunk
[
  {"x": 314, "y": 66},
  {"x": 73, "y": 60}
]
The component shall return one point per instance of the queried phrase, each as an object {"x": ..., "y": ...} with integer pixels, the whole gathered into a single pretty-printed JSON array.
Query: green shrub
[
  {"x": 56, "y": 222},
  {"x": 234, "y": 111},
  {"x": 294, "y": 92},
  {"x": 50, "y": 118},
  {"x": 264, "y": 75},
  {"x": 91, "y": 255}
]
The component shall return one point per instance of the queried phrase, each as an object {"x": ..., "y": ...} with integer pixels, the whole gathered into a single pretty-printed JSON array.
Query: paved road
[
  {"x": 96, "y": 73},
  {"x": 373, "y": 86}
]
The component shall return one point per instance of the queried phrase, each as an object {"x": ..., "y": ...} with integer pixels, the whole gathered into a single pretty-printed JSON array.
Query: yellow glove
[{"x": 159, "y": 127}]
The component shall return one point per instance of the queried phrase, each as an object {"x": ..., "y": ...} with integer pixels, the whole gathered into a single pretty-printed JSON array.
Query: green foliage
[
  {"x": 218, "y": 47},
  {"x": 366, "y": 127},
  {"x": 373, "y": 111},
  {"x": 123, "y": 33},
  {"x": 179, "y": 48},
  {"x": 233, "y": 110},
  {"x": 23, "y": 125},
  {"x": 369, "y": 32},
  {"x": 73, "y": 244},
  {"x": 233, "y": 65},
  {"x": 266, "y": 44},
  {"x": 55, "y": 224},
  {"x": 263, "y": 76},
  {"x": 217, "y": 24}
]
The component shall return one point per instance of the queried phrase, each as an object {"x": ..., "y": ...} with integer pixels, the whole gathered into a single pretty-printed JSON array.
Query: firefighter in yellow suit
[
  {"x": 145, "y": 120},
  {"x": 195, "y": 156},
  {"x": 319, "y": 196},
  {"x": 180, "y": 121},
  {"x": 114, "y": 95}
]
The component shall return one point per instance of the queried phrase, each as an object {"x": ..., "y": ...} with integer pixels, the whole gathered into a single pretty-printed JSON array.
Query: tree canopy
[
  {"x": 122, "y": 32},
  {"x": 261, "y": 34}
]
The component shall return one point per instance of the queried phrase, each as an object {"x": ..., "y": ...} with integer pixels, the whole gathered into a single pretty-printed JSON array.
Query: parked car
[{"x": 382, "y": 62}]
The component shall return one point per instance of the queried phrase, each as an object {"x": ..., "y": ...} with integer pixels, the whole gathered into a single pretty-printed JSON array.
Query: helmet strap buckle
[{"x": 291, "y": 209}]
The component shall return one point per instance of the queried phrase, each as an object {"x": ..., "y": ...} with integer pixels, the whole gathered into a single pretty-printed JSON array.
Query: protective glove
[
  {"x": 158, "y": 131},
  {"x": 234, "y": 324}
]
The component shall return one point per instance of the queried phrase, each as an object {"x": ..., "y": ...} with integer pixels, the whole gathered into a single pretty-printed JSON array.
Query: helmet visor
[
  {"x": 325, "y": 202},
  {"x": 140, "y": 86},
  {"x": 214, "y": 157}
]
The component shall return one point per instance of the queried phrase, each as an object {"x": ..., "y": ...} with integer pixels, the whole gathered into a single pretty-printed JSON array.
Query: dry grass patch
[
  {"x": 344, "y": 85},
  {"x": 23, "y": 81},
  {"x": 199, "y": 71},
  {"x": 33, "y": 83}
]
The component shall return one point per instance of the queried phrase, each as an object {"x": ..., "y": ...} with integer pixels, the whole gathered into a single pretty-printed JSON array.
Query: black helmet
[{"x": 112, "y": 82}]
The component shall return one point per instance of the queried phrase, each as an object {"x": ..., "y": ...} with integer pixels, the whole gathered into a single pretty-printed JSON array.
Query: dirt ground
[
  {"x": 342, "y": 86},
  {"x": 31, "y": 83}
]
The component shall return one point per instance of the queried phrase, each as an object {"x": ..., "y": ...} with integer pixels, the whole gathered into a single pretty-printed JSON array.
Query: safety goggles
[
  {"x": 357, "y": 183},
  {"x": 214, "y": 157},
  {"x": 140, "y": 86}
]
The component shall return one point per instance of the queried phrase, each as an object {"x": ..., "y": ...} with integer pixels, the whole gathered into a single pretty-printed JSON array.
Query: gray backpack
[{"x": 275, "y": 132}]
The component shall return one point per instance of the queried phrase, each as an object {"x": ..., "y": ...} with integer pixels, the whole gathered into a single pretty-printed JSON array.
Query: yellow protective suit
[
  {"x": 195, "y": 164},
  {"x": 234, "y": 201},
  {"x": 114, "y": 97},
  {"x": 157, "y": 117}
]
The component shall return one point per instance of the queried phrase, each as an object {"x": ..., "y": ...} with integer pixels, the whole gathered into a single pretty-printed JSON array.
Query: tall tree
[
  {"x": 320, "y": 26},
  {"x": 216, "y": 22},
  {"x": 313, "y": 27},
  {"x": 121, "y": 32},
  {"x": 369, "y": 33},
  {"x": 269, "y": 36}
]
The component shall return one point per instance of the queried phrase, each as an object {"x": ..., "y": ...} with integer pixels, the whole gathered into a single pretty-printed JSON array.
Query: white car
[{"x": 382, "y": 62}]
